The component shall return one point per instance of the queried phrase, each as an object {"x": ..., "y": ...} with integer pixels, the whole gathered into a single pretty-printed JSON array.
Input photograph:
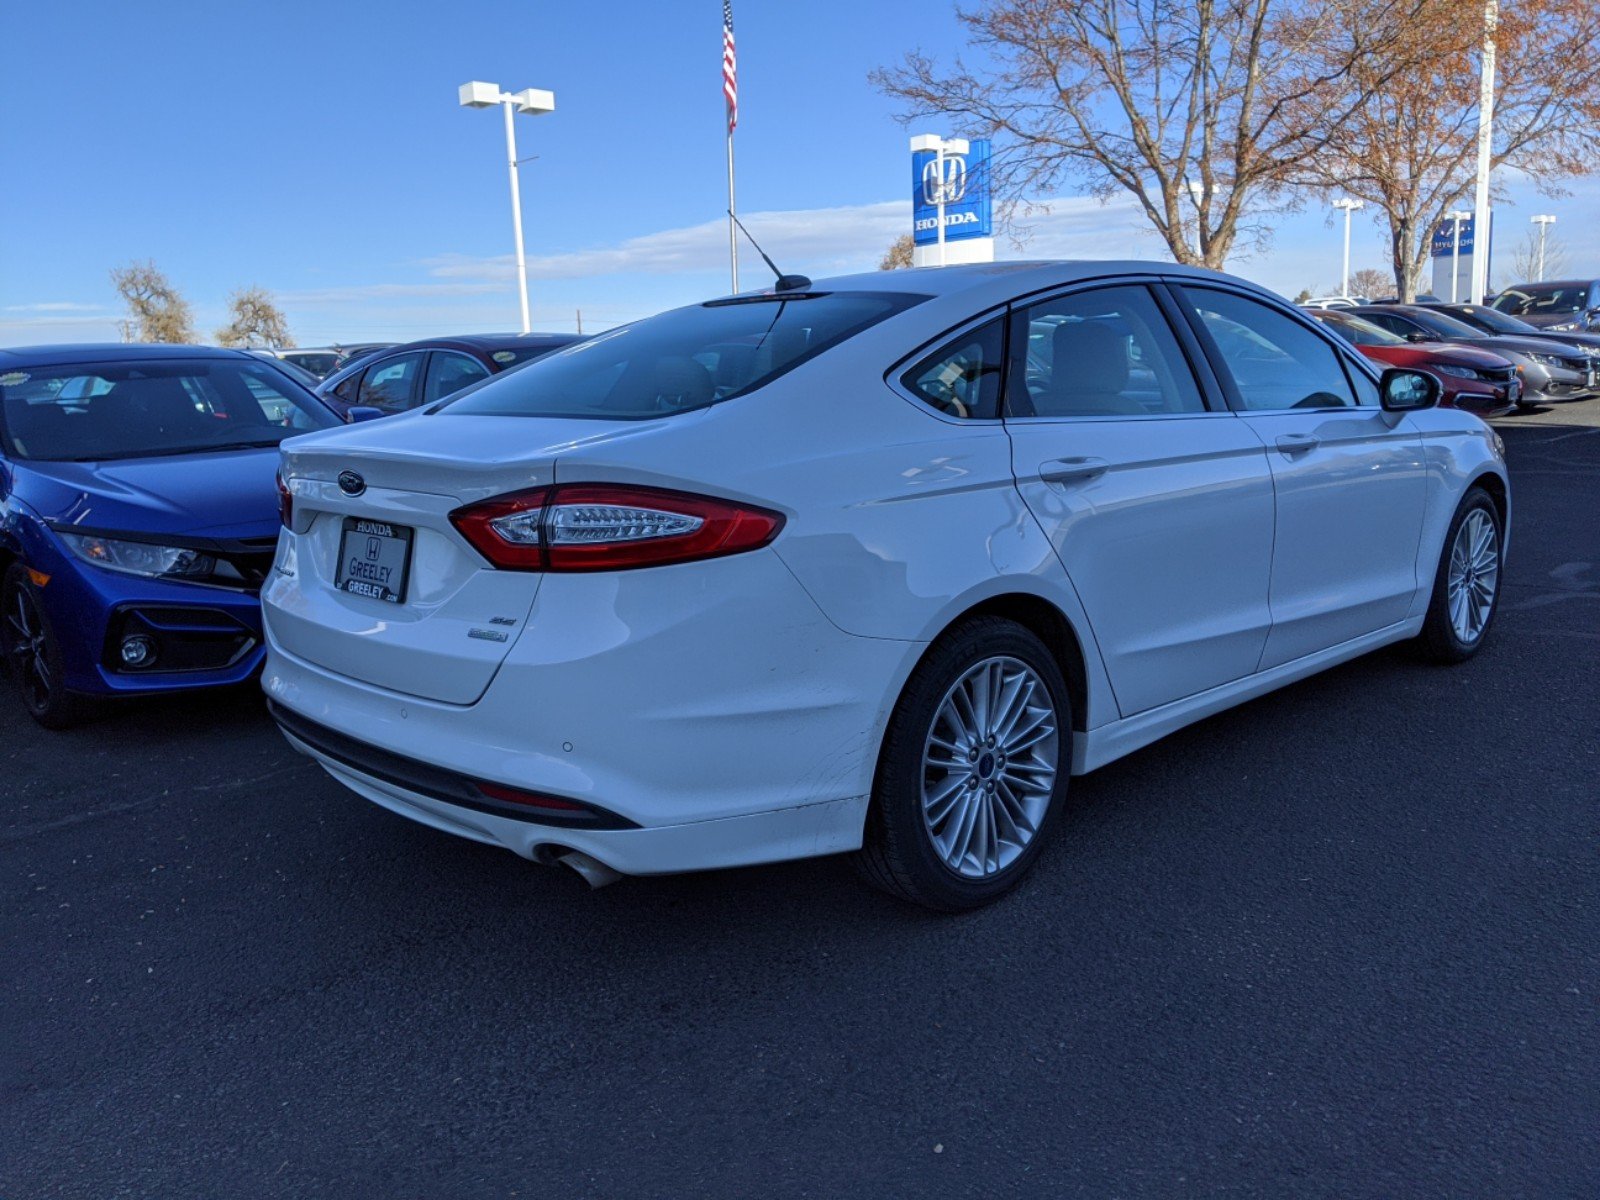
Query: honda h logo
[
  {"x": 949, "y": 189},
  {"x": 351, "y": 484}
]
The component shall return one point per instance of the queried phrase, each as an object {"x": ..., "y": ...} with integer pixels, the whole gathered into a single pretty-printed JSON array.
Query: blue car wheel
[{"x": 33, "y": 655}]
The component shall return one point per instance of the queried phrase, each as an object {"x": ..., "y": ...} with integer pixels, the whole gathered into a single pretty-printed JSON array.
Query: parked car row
[
  {"x": 1554, "y": 361},
  {"x": 872, "y": 565}
]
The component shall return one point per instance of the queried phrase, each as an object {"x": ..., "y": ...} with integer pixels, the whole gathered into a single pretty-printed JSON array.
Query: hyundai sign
[
  {"x": 968, "y": 209},
  {"x": 1444, "y": 238}
]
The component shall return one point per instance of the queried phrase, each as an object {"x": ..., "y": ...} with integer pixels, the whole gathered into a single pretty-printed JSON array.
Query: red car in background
[{"x": 1476, "y": 381}]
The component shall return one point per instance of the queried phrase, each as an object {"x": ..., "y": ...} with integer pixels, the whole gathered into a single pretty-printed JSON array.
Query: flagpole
[{"x": 733, "y": 237}]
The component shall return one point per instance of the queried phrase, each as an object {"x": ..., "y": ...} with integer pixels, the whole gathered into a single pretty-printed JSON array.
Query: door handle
[
  {"x": 1298, "y": 443},
  {"x": 1073, "y": 470}
]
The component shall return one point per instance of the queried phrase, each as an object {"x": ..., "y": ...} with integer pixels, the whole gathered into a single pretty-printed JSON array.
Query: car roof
[
  {"x": 71, "y": 353},
  {"x": 485, "y": 341},
  {"x": 1016, "y": 276}
]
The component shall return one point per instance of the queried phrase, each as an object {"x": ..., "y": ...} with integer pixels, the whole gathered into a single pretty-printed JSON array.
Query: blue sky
[{"x": 318, "y": 150}]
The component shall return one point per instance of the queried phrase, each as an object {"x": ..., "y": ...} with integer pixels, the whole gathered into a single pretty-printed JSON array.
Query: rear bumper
[
  {"x": 712, "y": 707},
  {"x": 804, "y": 831}
]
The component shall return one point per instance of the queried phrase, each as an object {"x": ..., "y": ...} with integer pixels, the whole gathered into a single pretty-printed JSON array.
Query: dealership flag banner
[{"x": 730, "y": 95}]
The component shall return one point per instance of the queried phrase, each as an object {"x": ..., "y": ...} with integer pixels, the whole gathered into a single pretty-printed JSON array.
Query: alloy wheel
[
  {"x": 28, "y": 652},
  {"x": 1473, "y": 576},
  {"x": 989, "y": 766}
]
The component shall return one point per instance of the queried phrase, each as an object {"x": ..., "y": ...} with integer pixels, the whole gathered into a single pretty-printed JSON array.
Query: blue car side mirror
[{"x": 362, "y": 412}]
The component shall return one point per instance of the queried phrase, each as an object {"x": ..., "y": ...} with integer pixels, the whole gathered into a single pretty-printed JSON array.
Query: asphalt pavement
[{"x": 1341, "y": 942}]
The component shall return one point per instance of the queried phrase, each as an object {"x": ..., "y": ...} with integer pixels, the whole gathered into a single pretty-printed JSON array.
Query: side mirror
[
  {"x": 1419, "y": 335},
  {"x": 362, "y": 412},
  {"x": 1407, "y": 391}
]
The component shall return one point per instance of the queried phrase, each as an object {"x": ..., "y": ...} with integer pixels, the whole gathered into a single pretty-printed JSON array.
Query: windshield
[
  {"x": 682, "y": 360},
  {"x": 1443, "y": 326},
  {"x": 1359, "y": 331},
  {"x": 1543, "y": 298},
  {"x": 98, "y": 411},
  {"x": 1492, "y": 320}
]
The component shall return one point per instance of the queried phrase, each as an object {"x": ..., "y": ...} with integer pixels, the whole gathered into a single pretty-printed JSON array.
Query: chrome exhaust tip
[{"x": 595, "y": 873}]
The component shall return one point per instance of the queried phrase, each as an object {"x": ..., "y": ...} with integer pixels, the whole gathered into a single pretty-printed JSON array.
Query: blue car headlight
[{"x": 140, "y": 558}]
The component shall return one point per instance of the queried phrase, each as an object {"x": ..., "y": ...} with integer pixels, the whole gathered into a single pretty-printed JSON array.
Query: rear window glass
[{"x": 682, "y": 360}]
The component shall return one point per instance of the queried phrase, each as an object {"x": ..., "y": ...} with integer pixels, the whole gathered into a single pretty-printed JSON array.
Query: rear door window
[{"x": 1102, "y": 352}]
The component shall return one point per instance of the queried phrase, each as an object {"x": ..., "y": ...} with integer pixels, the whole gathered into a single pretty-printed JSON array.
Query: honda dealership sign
[{"x": 968, "y": 210}]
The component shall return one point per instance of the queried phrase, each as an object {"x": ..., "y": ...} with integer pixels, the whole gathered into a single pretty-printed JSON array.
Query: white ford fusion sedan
[{"x": 873, "y": 564}]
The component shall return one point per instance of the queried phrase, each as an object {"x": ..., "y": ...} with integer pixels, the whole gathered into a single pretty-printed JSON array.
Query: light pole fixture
[
  {"x": 942, "y": 190},
  {"x": 1543, "y": 221},
  {"x": 1455, "y": 252},
  {"x": 1349, "y": 204},
  {"x": 531, "y": 102}
]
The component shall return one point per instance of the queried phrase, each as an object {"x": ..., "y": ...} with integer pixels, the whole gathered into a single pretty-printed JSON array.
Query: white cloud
[{"x": 56, "y": 306}]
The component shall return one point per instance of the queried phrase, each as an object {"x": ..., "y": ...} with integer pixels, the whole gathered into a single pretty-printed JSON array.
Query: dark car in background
[
  {"x": 401, "y": 378},
  {"x": 139, "y": 515},
  {"x": 1492, "y": 320},
  {"x": 1549, "y": 370},
  {"x": 1559, "y": 305},
  {"x": 1477, "y": 381}
]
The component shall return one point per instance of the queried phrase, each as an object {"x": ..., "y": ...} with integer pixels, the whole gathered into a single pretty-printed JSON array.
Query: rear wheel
[
  {"x": 973, "y": 768},
  {"x": 1466, "y": 586},
  {"x": 33, "y": 655}
]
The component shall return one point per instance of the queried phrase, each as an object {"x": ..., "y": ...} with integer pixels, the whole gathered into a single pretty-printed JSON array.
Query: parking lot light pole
[
  {"x": 531, "y": 101},
  {"x": 1480, "y": 208},
  {"x": 1455, "y": 250},
  {"x": 1543, "y": 221},
  {"x": 1349, "y": 204},
  {"x": 941, "y": 191}
]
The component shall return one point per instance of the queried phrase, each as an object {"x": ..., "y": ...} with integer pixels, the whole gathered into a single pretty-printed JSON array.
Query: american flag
[{"x": 730, "y": 66}]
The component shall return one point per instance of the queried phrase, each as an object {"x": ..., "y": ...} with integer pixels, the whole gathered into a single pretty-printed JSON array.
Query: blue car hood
[{"x": 224, "y": 494}]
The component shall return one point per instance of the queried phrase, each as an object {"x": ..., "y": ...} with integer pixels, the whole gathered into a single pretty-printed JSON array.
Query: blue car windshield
[
  {"x": 92, "y": 412},
  {"x": 682, "y": 360}
]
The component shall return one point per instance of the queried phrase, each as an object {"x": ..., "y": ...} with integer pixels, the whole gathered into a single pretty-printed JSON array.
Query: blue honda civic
[{"x": 138, "y": 517}]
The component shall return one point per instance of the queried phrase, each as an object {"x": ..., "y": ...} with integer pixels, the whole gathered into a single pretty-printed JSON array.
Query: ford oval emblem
[{"x": 351, "y": 484}]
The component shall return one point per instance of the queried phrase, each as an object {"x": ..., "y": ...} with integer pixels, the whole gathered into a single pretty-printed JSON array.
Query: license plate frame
[{"x": 377, "y": 556}]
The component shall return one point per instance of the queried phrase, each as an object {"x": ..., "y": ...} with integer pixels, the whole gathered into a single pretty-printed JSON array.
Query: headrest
[{"x": 1089, "y": 357}]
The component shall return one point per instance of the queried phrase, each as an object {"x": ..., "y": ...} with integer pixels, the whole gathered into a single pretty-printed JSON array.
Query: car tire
[
  {"x": 1467, "y": 582},
  {"x": 33, "y": 656},
  {"x": 962, "y": 799}
]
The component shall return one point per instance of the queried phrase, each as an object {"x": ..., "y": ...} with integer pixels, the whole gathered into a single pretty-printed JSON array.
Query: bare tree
[
  {"x": 257, "y": 320},
  {"x": 898, "y": 254},
  {"x": 1525, "y": 258},
  {"x": 1200, "y": 110},
  {"x": 1371, "y": 282},
  {"x": 1411, "y": 149},
  {"x": 156, "y": 313}
]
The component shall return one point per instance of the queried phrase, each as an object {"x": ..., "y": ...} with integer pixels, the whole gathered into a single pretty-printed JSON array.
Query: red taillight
[
  {"x": 285, "y": 503},
  {"x": 610, "y": 527},
  {"x": 499, "y": 791}
]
